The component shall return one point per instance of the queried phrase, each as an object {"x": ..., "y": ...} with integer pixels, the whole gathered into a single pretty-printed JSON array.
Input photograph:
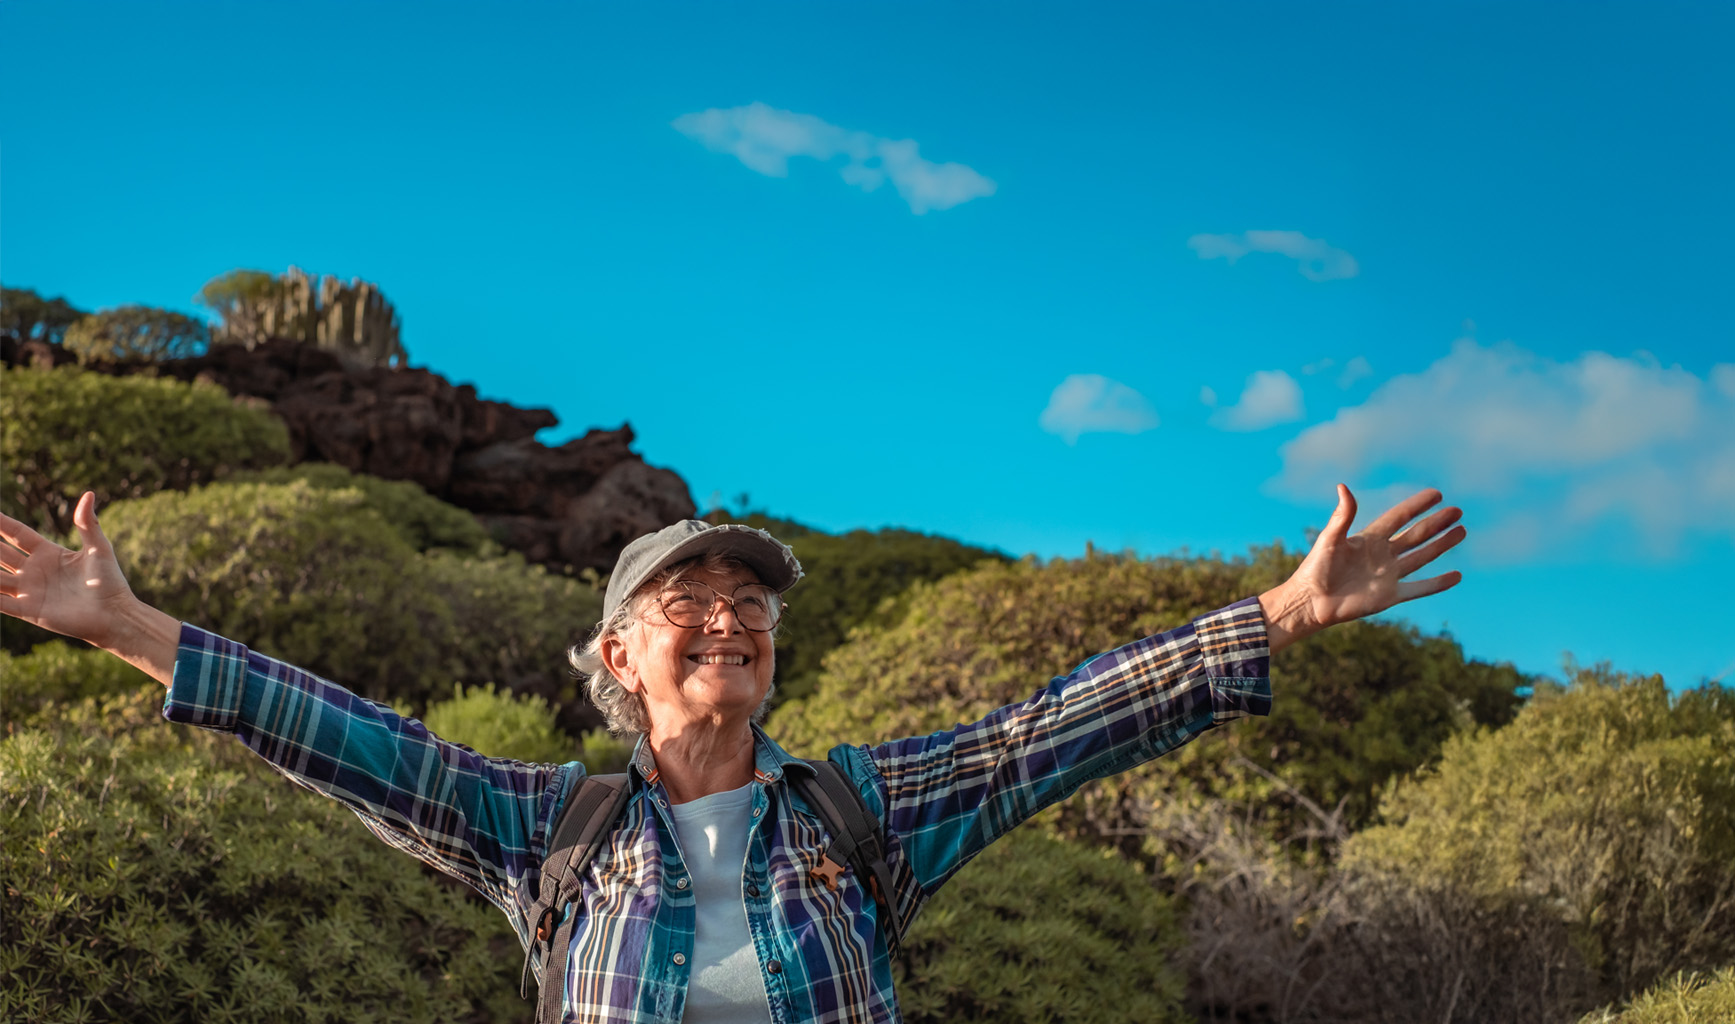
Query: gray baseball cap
[{"x": 769, "y": 558}]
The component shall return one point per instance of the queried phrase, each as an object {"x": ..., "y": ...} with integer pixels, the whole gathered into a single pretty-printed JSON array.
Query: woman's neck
[{"x": 696, "y": 762}]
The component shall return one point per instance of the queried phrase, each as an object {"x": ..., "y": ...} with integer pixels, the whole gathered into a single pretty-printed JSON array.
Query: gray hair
[{"x": 623, "y": 710}]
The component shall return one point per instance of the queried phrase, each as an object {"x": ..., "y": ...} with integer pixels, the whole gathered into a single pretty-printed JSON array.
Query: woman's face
[{"x": 716, "y": 674}]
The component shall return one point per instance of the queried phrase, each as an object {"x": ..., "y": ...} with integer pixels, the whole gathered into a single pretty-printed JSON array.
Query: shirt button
[
  {"x": 680, "y": 958},
  {"x": 775, "y": 967},
  {"x": 756, "y": 811},
  {"x": 682, "y": 884},
  {"x": 753, "y": 890}
]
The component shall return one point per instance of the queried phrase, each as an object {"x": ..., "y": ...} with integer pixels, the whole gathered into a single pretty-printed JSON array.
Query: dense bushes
[
  {"x": 1610, "y": 806},
  {"x": 69, "y": 431},
  {"x": 60, "y": 672},
  {"x": 158, "y": 873},
  {"x": 1037, "y": 929},
  {"x": 330, "y": 578}
]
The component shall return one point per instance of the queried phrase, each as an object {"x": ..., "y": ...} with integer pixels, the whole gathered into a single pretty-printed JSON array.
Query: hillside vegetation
[{"x": 1410, "y": 836}]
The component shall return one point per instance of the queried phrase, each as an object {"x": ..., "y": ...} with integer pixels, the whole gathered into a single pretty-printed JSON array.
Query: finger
[
  {"x": 1393, "y": 519},
  {"x": 11, "y": 559},
  {"x": 1410, "y": 590},
  {"x": 1421, "y": 532},
  {"x": 18, "y": 535},
  {"x": 89, "y": 531},
  {"x": 1337, "y": 527},
  {"x": 1422, "y": 556}
]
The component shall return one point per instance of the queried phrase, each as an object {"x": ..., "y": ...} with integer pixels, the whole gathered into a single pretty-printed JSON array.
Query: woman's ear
[{"x": 619, "y": 662}]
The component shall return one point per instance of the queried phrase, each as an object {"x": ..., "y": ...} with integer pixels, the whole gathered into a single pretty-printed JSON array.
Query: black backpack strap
[
  {"x": 857, "y": 838},
  {"x": 588, "y": 816}
]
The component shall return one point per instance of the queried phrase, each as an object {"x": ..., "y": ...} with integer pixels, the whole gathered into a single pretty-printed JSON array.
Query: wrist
[
  {"x": 1288, "y": 615},
  {"x": 146, "y": 638}
]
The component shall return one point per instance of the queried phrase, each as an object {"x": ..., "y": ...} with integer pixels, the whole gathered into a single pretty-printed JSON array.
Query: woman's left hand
[{"x": 1348, "y": 577}]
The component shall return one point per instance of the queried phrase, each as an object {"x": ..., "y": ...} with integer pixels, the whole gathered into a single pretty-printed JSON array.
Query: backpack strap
[
  {"x": 588, "y": 816},
  {"x": 857, "y": 838}
]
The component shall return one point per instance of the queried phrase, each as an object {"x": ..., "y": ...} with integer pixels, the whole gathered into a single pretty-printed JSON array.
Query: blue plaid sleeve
[
  {"x": 476, "y": 818},
  {"x": 948, "y": 795}
]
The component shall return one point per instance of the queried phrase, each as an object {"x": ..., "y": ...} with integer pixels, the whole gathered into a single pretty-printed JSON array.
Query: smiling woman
[{"x": 713, "y": 896}]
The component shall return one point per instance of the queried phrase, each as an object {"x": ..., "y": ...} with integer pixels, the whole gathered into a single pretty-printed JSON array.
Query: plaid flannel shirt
[{"x": 943, "y": 798}]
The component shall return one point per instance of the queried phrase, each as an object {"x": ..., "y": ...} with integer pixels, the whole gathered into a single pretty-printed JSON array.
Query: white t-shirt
[{"x": 726, "y": 986}]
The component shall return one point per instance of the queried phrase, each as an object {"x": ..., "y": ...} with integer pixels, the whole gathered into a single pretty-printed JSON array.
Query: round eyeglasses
[{"x": 689, "y": 604}]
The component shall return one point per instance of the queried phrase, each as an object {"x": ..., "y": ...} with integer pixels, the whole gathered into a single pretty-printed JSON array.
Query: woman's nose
[{"x": 723, "y": 618}]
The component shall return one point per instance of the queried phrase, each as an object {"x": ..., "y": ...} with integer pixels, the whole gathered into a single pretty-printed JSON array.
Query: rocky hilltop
[{"x": 569, "y": 507}]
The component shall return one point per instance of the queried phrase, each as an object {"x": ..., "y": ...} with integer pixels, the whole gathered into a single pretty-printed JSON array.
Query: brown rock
[{"x": 631, "y": 500}]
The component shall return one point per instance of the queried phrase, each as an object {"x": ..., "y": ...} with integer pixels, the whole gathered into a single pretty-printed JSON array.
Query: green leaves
[
  {"x": 1610, "y": 805},
  {"x": 362, "y": 581},
  {"x": 1039, "y": 929},
  {"x": 68, "y": 431},
  {"x": 137, "y": 333},
  {"x": 156, "y": 873}
]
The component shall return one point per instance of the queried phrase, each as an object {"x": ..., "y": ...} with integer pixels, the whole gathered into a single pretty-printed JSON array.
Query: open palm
[
  {"x": 1346, "y": 577},
  {"x": 75, "y": 593}
]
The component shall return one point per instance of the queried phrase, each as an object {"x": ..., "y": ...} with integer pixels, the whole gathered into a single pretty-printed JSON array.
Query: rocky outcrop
[{"x": 570, "y": 507}]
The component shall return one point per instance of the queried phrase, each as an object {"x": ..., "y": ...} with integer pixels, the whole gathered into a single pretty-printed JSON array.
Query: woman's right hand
[{"x": 82, "y": 594}]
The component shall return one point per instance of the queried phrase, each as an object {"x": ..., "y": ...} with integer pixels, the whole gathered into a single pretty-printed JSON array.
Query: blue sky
[{"x": 1149, "y": 276}]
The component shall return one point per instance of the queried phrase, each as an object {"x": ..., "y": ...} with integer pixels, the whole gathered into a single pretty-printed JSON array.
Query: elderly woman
[{"x": 711, "y": 898}]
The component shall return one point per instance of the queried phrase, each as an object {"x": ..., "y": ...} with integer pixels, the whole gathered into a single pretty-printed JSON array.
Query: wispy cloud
[
  {"x": 1553, "y": 450},
  {"x": 1089, "y": 403},
  {"x": 1270, "y": 397},
  {"x": 1316, "y": 260},
  {"x": 1355, "y": 370},
  {"x": 764, "y": 138}
]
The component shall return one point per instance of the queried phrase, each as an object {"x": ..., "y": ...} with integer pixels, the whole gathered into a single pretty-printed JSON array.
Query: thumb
[
  {"x": 1341, "y": 517},
  {"x": 90, "y": 533}
]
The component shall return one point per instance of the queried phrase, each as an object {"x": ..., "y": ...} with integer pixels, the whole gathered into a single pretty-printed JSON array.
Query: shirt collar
[{"x": 769, "y": 759}]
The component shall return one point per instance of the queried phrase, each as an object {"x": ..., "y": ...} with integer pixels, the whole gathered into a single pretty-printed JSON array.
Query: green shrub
[
  {"x": 68, "y": 431},
  {"x": 1683, "y": 999},
  {"x": 155, "y": 873},
  {"x": 424, "y": 521},
  {"x": 60, "y": 671},
  {"x": 497, "y": 724},
  {"x": 511, "y": 623},
  {"x": 1609, "y": 804},
  {"x": 1041, "y": 929},
  {"x": 137, "y": 333},
  {"x": 318, "y": 576}
]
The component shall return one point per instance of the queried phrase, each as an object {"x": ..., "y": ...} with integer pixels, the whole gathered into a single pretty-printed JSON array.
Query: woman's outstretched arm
[{"x": 83, "y": 594}]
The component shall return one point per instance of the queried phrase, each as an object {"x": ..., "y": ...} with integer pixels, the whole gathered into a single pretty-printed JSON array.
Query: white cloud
[
  {"x": 764, "y": 138},
  {"x": 1552, "y": 450},
  {"x": 1316, "y": 260},
  {"x": 1723, "y": 378},
  {"x": 1089, "y": 403},
  {"x": 1208, "y": 395},
  {"x": 1354, "y": 370},
  {"x": 1270, "y": 397}
]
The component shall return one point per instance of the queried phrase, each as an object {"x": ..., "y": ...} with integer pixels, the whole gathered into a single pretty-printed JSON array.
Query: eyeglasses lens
[{"x": 689, "y": 605}]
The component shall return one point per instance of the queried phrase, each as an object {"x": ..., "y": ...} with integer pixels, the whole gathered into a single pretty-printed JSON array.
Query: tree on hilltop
[
  {"x": 26, "y": 315},
  {"x": 137, "y": 333}
]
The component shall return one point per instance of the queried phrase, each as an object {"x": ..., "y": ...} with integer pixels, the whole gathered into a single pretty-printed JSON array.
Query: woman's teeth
[{"x": 720, "y": 659}]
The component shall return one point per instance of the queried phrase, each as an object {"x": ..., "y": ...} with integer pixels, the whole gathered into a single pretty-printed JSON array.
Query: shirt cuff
[
  {"x": 210, "y": 677},
  {"x": 1237, "y": 657}
]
